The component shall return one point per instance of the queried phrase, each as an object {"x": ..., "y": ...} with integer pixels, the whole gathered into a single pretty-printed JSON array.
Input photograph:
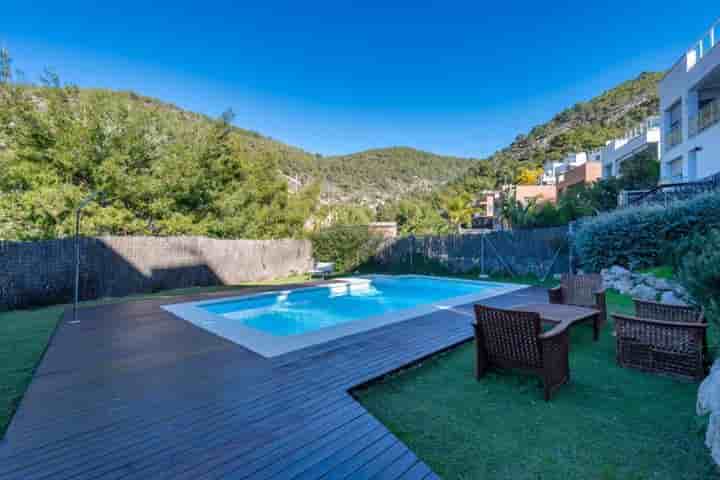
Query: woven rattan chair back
[
  {"x": 510, "y": 337},
  {"x": 666, "y": 312},
  {"x": 580, "y": 289}
]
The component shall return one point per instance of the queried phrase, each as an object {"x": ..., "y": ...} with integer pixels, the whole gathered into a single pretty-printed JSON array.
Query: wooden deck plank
[{"x": 133, "y": 392}]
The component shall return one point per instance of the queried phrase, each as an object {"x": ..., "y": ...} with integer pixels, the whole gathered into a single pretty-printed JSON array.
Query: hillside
[
  {"x": 167, "y": 171},
  {"x": 582, "y": 127},
  {"x": 385, "y": 174}
]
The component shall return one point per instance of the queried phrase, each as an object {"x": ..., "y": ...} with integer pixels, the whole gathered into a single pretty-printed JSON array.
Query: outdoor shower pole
[
  {"x": 78, "y": 213},
  {"x": 77, "y": 264}
]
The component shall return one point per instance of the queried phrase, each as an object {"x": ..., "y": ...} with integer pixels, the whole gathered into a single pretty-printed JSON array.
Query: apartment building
[
  {"x": 643, "y": 139},
  {"x": 584, "y": 174},
  {"x": 690, "y": 107},
  {"x": 555, "y": 170}
]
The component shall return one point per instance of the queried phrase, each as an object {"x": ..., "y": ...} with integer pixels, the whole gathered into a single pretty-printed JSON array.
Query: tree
[
  {"x": 459, "y": 209},
  {"x": 640, "y": 172},
  {"x": 529, "y": 176}
]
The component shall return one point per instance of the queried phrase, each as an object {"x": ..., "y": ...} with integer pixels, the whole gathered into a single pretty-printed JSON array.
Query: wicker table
[{"x": 564, "y": 315}]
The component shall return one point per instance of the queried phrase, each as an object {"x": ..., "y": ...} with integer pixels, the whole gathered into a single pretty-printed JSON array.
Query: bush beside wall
[
  {"x": 644, "y": 236},
  {"x": 348, "y": 247},
  {"x": 699, "y": 271}
]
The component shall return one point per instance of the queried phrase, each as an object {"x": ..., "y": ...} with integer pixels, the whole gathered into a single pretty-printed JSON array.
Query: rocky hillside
[
  {"x": 588, "y": 125},
  {"x": 582, "y": 127}
]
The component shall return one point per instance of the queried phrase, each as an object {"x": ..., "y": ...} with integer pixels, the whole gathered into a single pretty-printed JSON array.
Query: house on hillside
[
  {"x": 555, "y": 170},
  {"x": 539, "y": 193},
  {"x": 690, "y": 107},
  {"x": 641, "y": 140},
  {"x": 583, "y": 174}
]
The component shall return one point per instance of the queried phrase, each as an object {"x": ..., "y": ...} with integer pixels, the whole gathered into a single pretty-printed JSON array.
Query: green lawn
[
  {"x": 608, "y": 423},
  {"x": 25, "y": 333}
]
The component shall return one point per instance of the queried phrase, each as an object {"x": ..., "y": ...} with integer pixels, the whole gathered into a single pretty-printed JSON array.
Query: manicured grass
[
  {"x": 24, "y": 334},
  {"x": 664, "y": 271},
  {"x": 607, "y": 423}
]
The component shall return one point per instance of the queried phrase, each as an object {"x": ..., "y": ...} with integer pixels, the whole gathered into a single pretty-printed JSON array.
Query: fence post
[{"x": 482, "y": 254}]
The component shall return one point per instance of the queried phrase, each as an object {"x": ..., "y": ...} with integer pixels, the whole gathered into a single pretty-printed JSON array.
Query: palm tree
[{"x": 458, "y": 208}]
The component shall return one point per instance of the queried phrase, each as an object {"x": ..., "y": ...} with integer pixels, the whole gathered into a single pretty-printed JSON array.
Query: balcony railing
[
  {"x": 674, "y": 137},
  {"x": 703, "y": 46},
  {"x": 671, "y": 192},
  {"x": 706, "y": 117}
]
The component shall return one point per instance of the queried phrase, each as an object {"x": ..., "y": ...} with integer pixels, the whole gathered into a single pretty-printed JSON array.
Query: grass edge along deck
[{"x": 113, "y": 396}]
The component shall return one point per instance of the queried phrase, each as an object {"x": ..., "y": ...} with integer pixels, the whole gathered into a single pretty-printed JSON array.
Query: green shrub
[
  {"x": 641, "y": 237},
  {"x": 348, "y": 247},
  {"x": 700, "y": 271}
]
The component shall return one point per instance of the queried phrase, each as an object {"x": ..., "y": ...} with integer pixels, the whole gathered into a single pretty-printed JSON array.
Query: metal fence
[
  {"x": 540, "y": 252},
  {"x": 665, "y": 194}
]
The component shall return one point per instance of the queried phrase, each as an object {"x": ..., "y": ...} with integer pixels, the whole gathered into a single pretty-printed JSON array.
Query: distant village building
[
  {"x": 538, "y": 193},
  {"x": 554, "y": 170},
  {"x": 383, "y": 229},
  {"x": 690, "y": 107},
  {"x": 585, "y": 174},
  {"x": 486, "y": 216}
]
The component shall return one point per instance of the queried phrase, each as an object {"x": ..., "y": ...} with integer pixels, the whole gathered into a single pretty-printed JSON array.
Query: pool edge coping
[{"x": 269, "y": 346}]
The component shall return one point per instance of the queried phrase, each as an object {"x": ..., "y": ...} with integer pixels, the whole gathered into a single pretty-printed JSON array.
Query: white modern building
[
  {"x": 645, "y": 138},
  {"x": 690, "y": 106},
  {"x": 554, "y": 170}
]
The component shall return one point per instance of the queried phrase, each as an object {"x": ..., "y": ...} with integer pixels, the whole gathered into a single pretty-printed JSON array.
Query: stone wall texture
[
  {"x": 541, "y": 252},
  {"x": 42, "y": 273}
]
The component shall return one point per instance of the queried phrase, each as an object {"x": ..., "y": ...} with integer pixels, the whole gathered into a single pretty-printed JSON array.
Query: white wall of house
[
  {"x": 694, "y": 79},
  {"x": 619, "y": 150},
  {"x": 554, "y": 170}
]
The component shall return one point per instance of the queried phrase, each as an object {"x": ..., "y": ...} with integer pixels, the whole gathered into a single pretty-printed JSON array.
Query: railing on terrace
[
  {"x": 706, "y": 117},
  {"x": 628, "y": 197},
  {"x": 706, "y": 43},
  {"x": 703, "y": 46},
  {"x": 670, "y": 192},
  {"x": 674, "y": 137},
  {"x": 697, "y": 50}
]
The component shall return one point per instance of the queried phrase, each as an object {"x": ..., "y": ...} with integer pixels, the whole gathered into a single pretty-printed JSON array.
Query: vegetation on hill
[
  {"x": 159, "y": 171},
  {"x": 166, "y": 171},
  {"x": 374, "y": 176},
  {"x": 583, "y": 127}
]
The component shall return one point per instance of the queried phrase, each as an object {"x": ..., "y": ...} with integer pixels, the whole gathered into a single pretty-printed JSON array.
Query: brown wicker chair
[
  {"x": 662, "y": 338},
  {"x": 514, "y": 339},
  {"x": 582, "y": 291}
]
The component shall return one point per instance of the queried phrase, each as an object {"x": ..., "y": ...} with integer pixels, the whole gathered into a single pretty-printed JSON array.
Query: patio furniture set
[{"x": 660, "y": 338}]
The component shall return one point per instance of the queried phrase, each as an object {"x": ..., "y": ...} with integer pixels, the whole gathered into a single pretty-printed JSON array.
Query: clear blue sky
[{"x": 461, "y": 78}]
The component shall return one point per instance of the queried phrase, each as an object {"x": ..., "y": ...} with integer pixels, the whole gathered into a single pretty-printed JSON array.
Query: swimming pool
[{"x": 278, "y": 322}]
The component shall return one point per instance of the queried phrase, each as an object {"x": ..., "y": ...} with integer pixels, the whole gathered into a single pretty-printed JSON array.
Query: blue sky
[{"x": 459, "y": 78}]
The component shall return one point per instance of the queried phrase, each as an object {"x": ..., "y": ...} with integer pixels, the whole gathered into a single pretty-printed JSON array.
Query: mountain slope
[
  {"x": 584, "y": 126},
  {"x": 384, "y": 174}
]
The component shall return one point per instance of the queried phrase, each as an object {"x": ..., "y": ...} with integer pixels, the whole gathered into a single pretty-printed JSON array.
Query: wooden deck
[{"x": 134, "y": 392}]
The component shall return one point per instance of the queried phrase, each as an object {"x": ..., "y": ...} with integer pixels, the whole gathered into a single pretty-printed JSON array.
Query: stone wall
[
  {"x": 42, "y": 273},
  {"x": 541, "y": 252}
]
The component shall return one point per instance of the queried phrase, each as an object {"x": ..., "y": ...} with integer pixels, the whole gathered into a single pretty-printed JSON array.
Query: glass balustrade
[{"x": 706, "y": 117}]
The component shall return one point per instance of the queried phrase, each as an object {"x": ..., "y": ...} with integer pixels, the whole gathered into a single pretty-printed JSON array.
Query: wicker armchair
[
  {"x": 514, "y": 339},
  {"x": 661, "y": 338},
  {"x": 582, "y": 291}
]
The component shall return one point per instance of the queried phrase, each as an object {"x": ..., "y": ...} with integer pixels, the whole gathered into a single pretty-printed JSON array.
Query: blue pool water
[{"x": 302, "y": 311}]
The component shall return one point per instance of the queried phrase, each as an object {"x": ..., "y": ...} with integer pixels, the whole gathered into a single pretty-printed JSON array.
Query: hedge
[
  {"x": 349, "y": 247},
  {"x": 645, "y": 236},
  {"x": 699, "y": 271}
]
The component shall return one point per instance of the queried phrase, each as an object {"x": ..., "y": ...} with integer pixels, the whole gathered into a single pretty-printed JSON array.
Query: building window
[
  {"x": 674, "y": 134},
  {"x": 676, "y": 169}
]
